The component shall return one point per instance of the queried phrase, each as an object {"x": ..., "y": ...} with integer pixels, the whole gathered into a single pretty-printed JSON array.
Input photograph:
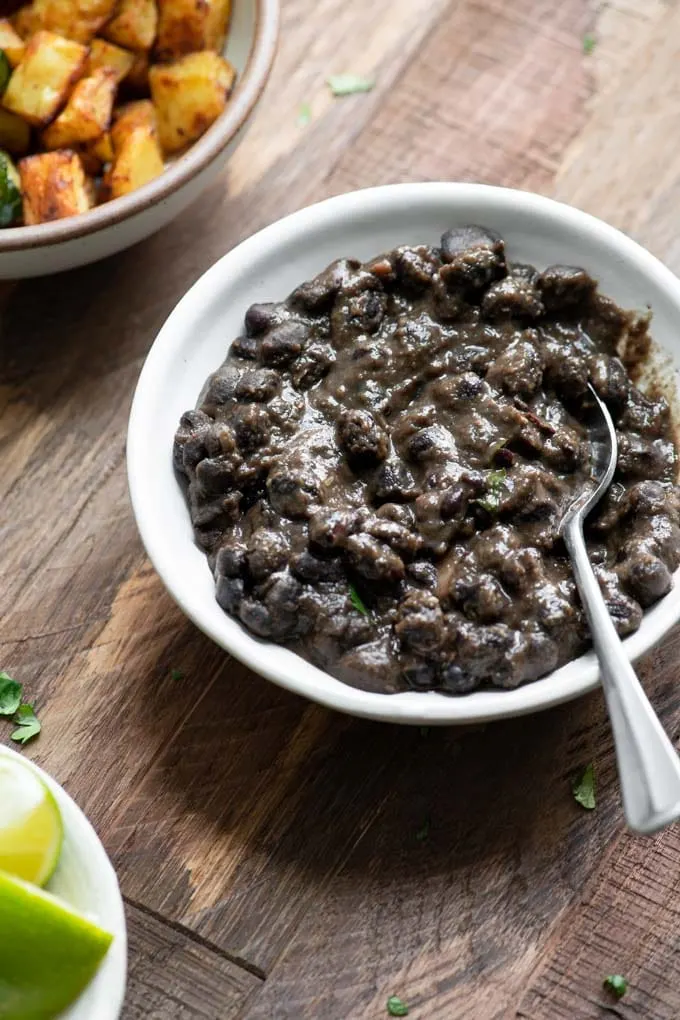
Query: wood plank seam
[{"x": 193, "y": 936}]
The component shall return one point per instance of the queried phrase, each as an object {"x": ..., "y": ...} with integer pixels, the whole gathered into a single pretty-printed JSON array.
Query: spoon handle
[{"x": 648, "y": 764}]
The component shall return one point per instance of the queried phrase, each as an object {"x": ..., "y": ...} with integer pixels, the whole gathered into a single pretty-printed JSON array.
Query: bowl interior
[
  {"x": 268, "y": 266},
  {"x": 86, "y": 880}
]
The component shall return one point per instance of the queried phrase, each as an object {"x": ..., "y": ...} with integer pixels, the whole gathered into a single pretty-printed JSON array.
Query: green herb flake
[
  {"x": 5, "y": 71},
  {"x": 357, "y": 601},
  {"x": 424, "y": 731},
  {"x": 27, "y": 724},
  {"x": 304, "y": 115},
  {"x": 10, "y": 196},
  {"x": 583, "y": 788},
  {"x": 349, "y": 84},
  {"x": 10, "y": 695},
  {"x": 589, "y": 42},
  {"x": 491, "y": 500},
  {"x": 395, "y": 1007},
  {"x": 616, "y": 984},
  {"x": 176, "y": 674},
  {"x": 424, "y": 831}
]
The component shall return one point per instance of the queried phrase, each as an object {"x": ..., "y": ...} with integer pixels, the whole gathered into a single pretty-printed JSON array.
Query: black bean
[
  {"x": 458, "y": 390},
  {"x": 518, "y": 369},
  {"x": 455, "y": 680},
  {"x": 216, "y": 474},
  {"x": 250, "y": 423},
  {"x": 512, "y": 297},
  {"x": 363, "y": 442},
  {"x": 393, "y": 483},
  {"x": 317, "y": 295},
  {"x": 246, "y": 347},
  {"x": 610, "y": 380},
  {"x": 476, "y": 257},
  {"x": 481, "y": 597},
  {"x": 258, "y": 385},
  {"x": 419, "y": 675},
  {"x": 374, "y": 560},
  {"x": 314, "y": 570},
  {"x": 229, "y": 592},
  {"x": 423, "y": 573},
  {"x": 267, "y": 552},
  {"x": 220, "y": 391},
  {"x": 282, "y": 344},
  {"x": 231, "y": 559},
  {"x": 261, "y": 317},
  {"x": 566, "y": 370},
  {"x": 647, "y": 578},
  {"x": 645, "y": 458},
  {"x": 329, "y": 529},
  {"x": 310, "y": 368},
  {"x": 406, "y": 542},
  {"x": 565, "y": 286},
  {"x": 420, "y": 622},
  {"x": 193, "y": 432},
  {"x": 293, "y": 493},
  {"x": 416, "y": 267},
  {"x": 256, "y": 617}
]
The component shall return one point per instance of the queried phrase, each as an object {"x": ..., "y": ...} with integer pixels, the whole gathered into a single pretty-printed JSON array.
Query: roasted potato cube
[
  {"x": 133, "y": 24},
  {"x": 26, "y": 21},
  {"x": 137, "y": 162},
  {"x": 11, "y": 42},
  {"x": 79, "y": 20},
  {"x": 87, "y": 114},
  {"x": 114, "y": 58},
  {"x": 102, "y": 148},
  {"x": 185, "y": 26},
  {"x": 189, "y": 95},
  {"x": 139, "y": 113},
  {"x": 53, "y": 185},
  {"x": 40, "y": 84},
  {"x": 15, "y": 134}
]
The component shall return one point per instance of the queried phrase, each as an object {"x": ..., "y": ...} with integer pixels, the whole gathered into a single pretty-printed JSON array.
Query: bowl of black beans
[{"x": 354, "y": 439}]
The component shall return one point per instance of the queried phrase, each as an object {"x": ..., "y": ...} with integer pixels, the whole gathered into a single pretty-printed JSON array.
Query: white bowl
[
  {"x": 86, "y": 880},
  {"x": 266, "y": 267},
  {"x": 113, "y": 226}
]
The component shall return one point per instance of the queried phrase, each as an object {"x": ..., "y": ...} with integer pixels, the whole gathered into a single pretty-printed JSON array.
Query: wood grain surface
[{"x": 269, "y": 849}]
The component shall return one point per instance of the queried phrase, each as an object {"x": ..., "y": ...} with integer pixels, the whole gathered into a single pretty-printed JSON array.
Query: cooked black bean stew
[{"x": 379, "y": 469}]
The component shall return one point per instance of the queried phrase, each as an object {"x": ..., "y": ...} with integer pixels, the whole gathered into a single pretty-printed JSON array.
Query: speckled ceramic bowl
[
  {"x": 113, "y": 226},
  {"x": 266, "y": 267}
]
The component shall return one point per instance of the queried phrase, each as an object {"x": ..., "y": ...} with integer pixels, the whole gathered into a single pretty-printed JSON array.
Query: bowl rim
[
  {"x": 76, "y": 825},
  {"x": 410, "y": 707},
  {"x": 206, "y": 149}
]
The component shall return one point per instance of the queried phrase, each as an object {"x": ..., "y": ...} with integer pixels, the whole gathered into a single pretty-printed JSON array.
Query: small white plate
[
  {"x": 266, "y": 267},
  {"x": 86, "y": 880}
]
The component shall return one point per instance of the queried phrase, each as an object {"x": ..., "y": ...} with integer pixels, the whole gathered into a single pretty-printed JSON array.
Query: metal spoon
[{"x": 649, "y": 767}]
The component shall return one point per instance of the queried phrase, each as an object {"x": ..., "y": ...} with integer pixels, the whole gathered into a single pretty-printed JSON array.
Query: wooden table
[{"x": 267, "y": 848}]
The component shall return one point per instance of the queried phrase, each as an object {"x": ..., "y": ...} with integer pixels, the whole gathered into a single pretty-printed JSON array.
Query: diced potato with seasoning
[
  {"x": 40, "y": 84},
  {"x": 26, "y": 21},
  {"x": 185, "y": 26},
  {"x": 102, "y": 148},
  {"x": 79, "y": 20},
  {"x": 137, "y": 155},
  {"x": 133, "y": 24},
  {"x": 11, "y": 43},
  {"x": 108, "y": 55},
  {"x": 53, "y": 185},
  {"x": 15, "y": 134},
  {"x": 189, "y": 95},
  {"x": 87, "y": 114}
]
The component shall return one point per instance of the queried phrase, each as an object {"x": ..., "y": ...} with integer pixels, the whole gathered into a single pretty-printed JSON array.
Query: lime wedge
[
  {"x": 49, "y": 953},
  {"x": 31, "y": 831}
]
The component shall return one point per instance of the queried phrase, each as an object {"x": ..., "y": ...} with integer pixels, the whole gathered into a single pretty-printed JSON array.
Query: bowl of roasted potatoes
[{"x": 115, "y": 115}]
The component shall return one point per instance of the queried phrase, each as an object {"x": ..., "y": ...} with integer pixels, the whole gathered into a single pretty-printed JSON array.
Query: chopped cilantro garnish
[
  {"x": 395, "y": 1007},
  {"x": 357, "y": 601},
  {"x": 588, "y": 43},
  {"x": 176, "y": 674},
  {"x": 349, "y": 84},
  {"x": 491, "y": 500},
  {"x": 27, "y": 724},
  {"x": 10, "y": 695},
  {"x": 616, "y": 984},
  {"x": 5, "y": 71},
  {"x": 583, "y": 788}
]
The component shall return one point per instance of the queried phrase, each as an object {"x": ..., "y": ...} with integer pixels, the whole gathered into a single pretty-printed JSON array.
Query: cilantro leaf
[
  {"x": 10, "y": 196},
  {"x": 357, "y": 601},
  {"x": 349, "y": 84},
  {"x": 616, "y": 984},
  {"x": 27, "y": 724},
  {"x": 176, "y": 674},
  {"x": 491, "y": 500},
  {"x": 395, "y": 1007},
  {"x": 10, "y": 695},
  {"x": 304, "y": 115},
  {"x": 589, "y": 42},
  {"x": 424, "y": 830},
  {"x": 583, "y": 788},
  {"x": 424, "y": 731}
]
